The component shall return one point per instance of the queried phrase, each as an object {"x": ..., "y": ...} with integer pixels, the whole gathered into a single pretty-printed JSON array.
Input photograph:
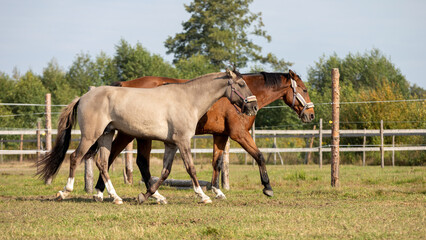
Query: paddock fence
[{"x": 274, "y": 134}]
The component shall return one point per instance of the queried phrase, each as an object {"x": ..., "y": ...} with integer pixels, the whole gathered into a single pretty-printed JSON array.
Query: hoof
[
  {"x": 220, "y": 196},
  {"x": 141, "y": 198},
  {"x": 61, "y": 196},
  {"x": 206, "y": 201},
  {"x": 162, "y": 202},
  {"x": 268, "y": 192},
  {"x": 98, "y": 198},
  {"x": 118, "y": 201}
]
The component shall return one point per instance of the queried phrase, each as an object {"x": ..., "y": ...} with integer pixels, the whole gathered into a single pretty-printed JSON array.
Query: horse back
[{"x": 148, "y": 82}]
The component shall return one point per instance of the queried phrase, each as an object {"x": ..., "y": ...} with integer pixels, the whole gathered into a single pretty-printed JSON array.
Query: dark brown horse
[{"x": 223, "y": 121}]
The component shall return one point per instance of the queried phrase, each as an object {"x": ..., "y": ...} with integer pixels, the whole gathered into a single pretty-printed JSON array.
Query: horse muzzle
[
  {"x": 307, "y": 116},
  {"x": 250, "y": 107}
]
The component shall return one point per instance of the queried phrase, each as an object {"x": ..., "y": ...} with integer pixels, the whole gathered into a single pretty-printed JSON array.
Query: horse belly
[{"x": 141, "y": 120}]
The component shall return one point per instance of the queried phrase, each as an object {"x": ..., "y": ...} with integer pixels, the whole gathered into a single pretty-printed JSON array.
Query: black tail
[{"x": 51, "y": 162}]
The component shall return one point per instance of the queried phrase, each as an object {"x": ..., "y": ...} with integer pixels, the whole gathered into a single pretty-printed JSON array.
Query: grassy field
[{"x": 372, "y": 203}]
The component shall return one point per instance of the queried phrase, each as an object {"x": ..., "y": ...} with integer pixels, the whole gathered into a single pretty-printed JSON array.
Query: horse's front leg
[
  {"x": 119, "y": 143},
  {"x": 185, "y": 152},
  {"x": 142, "y": 160},
  {"x": 246, "y": 141},
  {"x": 219, "y": 143},
  {"x": 169, "y": 153}
]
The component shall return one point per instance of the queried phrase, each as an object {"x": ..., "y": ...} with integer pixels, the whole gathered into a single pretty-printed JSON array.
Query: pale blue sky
[{"x": 34, "y": 32}]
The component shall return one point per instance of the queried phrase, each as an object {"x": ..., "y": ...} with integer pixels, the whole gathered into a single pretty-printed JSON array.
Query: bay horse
[
  {"x": 222, "y": 120},
  {"x": 168, "y": 113}
]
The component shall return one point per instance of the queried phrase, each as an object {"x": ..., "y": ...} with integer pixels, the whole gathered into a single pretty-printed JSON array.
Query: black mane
[{"x": 273, "y": 79}]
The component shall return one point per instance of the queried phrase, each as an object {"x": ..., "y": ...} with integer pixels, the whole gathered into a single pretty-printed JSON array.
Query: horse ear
[
  {"x": 292, "y": 74},
  {"x": 231, "y": 74}
]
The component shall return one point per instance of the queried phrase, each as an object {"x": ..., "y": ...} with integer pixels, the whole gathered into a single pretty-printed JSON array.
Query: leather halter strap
[
  {"x": 248, "y": 99},
  {"x": 298, "y": 96}
]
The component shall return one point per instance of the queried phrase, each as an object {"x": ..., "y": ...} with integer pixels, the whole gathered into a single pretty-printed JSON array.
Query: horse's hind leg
[
  {"x": 142, "y": 160},
  {"x": 218, "y": 148},
  {"x": 169, "y": 153},
  {"x": 185, "y": 152},
  {"x": 105, "y": 142},
  {"x": 119, "y": 143},
  {"x": 75, "y": 158}
]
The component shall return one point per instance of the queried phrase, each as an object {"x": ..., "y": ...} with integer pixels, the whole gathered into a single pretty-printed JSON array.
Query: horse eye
[
  {"x": 305, "y": 90},
  {"x": 242, "y": 83}
]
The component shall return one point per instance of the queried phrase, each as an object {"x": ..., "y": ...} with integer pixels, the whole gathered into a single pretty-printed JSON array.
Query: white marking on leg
[
  {"x": 159, "y": 198},
  {"x": 200, "y": 193},
  {"x": 110, "y": 189},
  {"x": 112, "y": 192},
  {"x": 219, "y": 193},
  {"x": 67, "y": 189},
  {"x": 70, "y": 185},
  {"x": 99, "y": 196}
]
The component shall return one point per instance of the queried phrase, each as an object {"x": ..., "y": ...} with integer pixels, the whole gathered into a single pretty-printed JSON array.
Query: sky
[{"x": 32, "y": 33}]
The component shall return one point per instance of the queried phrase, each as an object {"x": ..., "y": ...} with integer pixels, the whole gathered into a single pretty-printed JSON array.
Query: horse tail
[{"x": 51, "y": 162}]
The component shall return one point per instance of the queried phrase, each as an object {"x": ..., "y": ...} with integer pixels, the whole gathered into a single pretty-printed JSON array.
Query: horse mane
[
  {"x": 202, "y": 76},
  {"x": 116, "y": 84},
  {"x": 273, "y": 79}
]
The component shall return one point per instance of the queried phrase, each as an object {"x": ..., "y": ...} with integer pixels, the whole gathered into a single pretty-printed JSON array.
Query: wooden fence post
[
  {"x": 393, "y": 151},
  {"x": 363, "y": 147},
  {"x": 38, "y": 132},
  {"x": 48, "y": 129},
  {"x": 225, "y": 166},
  {"x": 335, "y": 157},
  {"x": 320, "y": 143},
  {"x": 253, "y": 134},
  {"x": 21, "y": 147},
  {"x": 88, "y": 170},
  {"x": 382, "y": 143},
  {"x": 128, "y": 164},
  {"x": 1, "y": 148},
  {"x": 275, "y": 145}
]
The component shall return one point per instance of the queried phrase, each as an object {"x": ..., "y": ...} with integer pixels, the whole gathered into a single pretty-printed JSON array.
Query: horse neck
[
  {"x": 205, "y": 91},
  {"x": 265, "y": 94}
]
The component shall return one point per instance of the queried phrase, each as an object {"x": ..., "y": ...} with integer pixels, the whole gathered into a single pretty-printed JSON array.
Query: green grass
[{"x": 372, "y": 203}]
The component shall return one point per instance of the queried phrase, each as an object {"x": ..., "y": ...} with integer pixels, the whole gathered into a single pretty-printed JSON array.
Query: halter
[
  {"x": 300, "y": 98},
  {"x": 248, "y": 99}
]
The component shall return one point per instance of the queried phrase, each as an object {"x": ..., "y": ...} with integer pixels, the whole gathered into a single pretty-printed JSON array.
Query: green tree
[
  {"x": 417, "y": 92},
  {"x": 55, "y": 82},
  {"x": 85, "y": 72},
  {"x": 357, "y": 73},
  {"x": 364, "y": 78},
  {"x": 6, "y": 85},
  {"x": 134, "y": 62},
  {"x": 194, "y": 66},
  {"x": 219, "y": 29},
  {"x": 82, "y": 74},
  {"x": 106, "y": 68},
  {"x": 6, "y": 117},
  {"x": 28, "y": 89},
  {"x": 363, "y": 71}
]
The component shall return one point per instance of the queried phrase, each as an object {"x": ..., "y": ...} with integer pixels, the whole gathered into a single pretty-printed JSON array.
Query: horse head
[
  {"x": 299, "y": 99},
  {"x": 240, "y": 94}
]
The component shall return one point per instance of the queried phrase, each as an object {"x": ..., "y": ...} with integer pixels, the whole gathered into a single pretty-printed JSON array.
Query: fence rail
[{"x": 266, "y": 134}]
